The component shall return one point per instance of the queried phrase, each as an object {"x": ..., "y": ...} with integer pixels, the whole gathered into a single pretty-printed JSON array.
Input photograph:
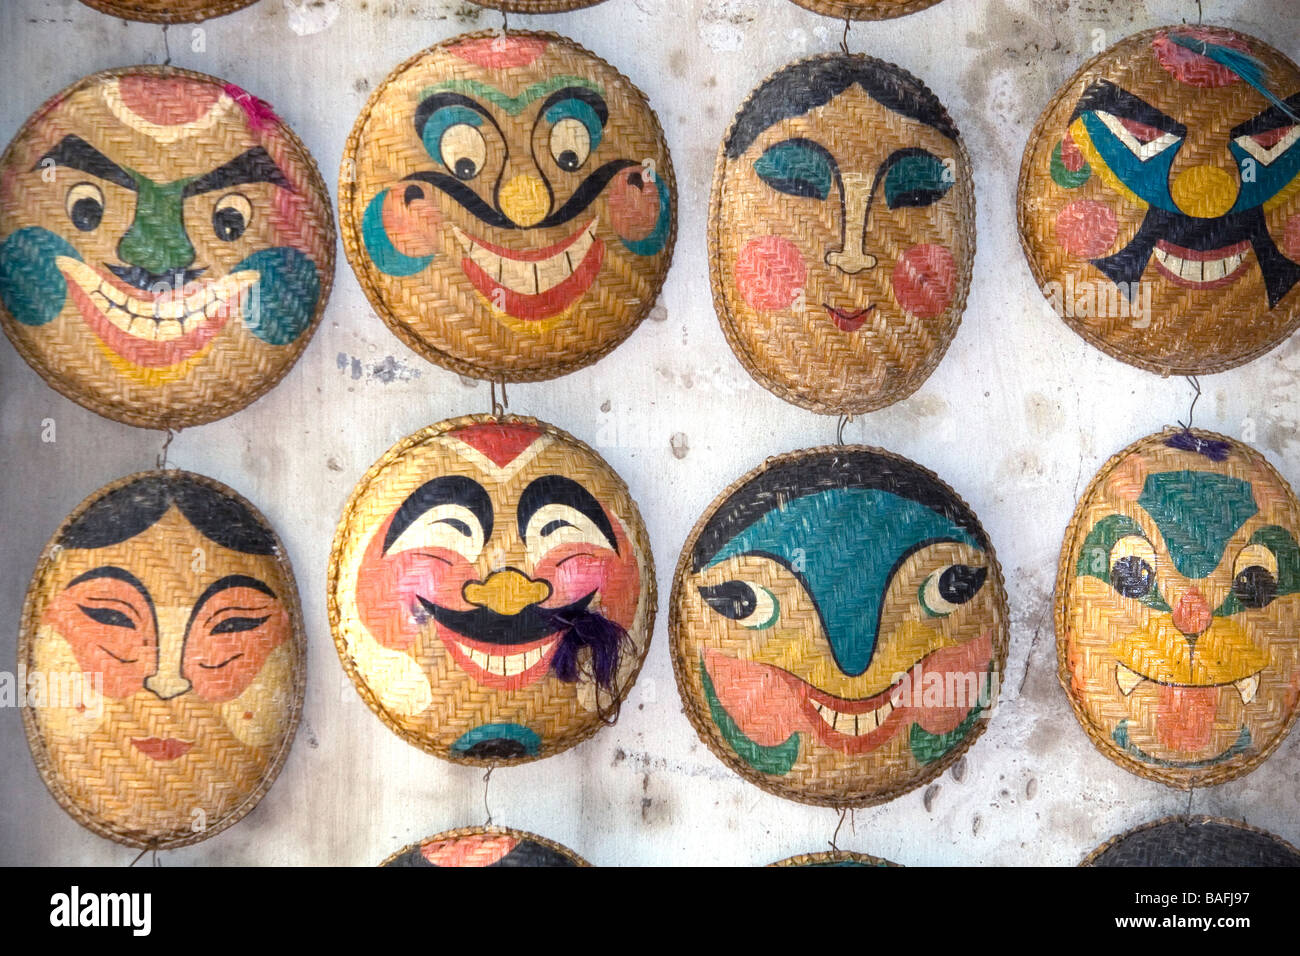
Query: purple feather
[
  {"x": 588, "y": 629},
  {"x": 1211, "y": 449}
]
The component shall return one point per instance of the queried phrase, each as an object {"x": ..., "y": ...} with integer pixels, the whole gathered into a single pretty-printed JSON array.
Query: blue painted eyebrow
[{"x": 798, "y": 167}]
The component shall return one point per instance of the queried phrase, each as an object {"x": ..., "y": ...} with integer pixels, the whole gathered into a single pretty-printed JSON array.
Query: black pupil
[
  {"x": 228, "y": 223},
  {"x": 733, "y": 599},
  {"x": 568, "y": 160},
  {"x": 1132, "y": 576},
  {"x": 464, "y": 168},
  {"x": 412, "y": 194},
  {"x": 86, "y": 213},
  {"x": 1255, "y": 586},
  {"x": 959, "y": 583}
]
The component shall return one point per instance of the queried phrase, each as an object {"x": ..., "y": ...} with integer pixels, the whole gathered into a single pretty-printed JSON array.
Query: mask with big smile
[
  {"x": 507, "y": 204},
  {"x": 1177, "y": 600},
  {"x": 167, "y": 11},
  {"x": 491, "y": 590},
  {"x": 166, "y": 245},
  {"x": 838, "y": 626},
  {"x": 163, "y": 657},
  {"x": 841, "y": 233},
  {"x": 1160, "y": 200}
]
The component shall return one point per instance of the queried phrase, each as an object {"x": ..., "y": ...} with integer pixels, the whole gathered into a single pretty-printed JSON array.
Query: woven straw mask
[
  {"x": 865, "y": 9},
  {"x": 1194, "y": 841},
  {"x": 1177, "y": 601},
  {"x": 163, "y": 630},
  {"x": 166, "y": 246},
  {"x": 838, "y": 626},
  {"x": 1160, "y": 204},
  {"x": 508, "y": 205},
  {"x": 491, "y": 590},
  {"x": 841, "y": 233},
  {"x": 167, "y": 11},
  {"x": 485, "y": 846}
]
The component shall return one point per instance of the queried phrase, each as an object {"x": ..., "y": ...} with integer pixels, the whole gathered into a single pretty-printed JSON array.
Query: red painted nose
[{"x": 1193, "y": 615}]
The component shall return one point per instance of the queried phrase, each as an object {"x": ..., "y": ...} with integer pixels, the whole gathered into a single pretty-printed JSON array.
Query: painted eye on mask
[
  {"x": 555, "y": 524},
  {"x": 237, "y": 625},
  {"x": 85, "y": 206},
  {"x": 448, "y": 526},
  {"x": 107, "y": 616},
  {"x": 797, "y": 167},
  {"x": 576, "y": 132},
  {"x": 949, "y": 588},
  {"x": 1143, "y": 141},
  {"x": 1133, "y": 566},
  {"x": 917, "y": 178},
  {"x": 1254, "y": 576},
  {"x": 1269, "y": 146},
  {"x": 451, "y": 136},
  {"x": 231, "y": 217},
  {"x": 749, "y": 605}
]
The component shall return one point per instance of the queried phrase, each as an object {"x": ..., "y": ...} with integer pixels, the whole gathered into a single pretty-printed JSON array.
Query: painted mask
[
  {"x": 837, "y": 858},
  {"x": 1158, "y": 200},
  {"x": 163, "y": 660},
  {"x": 167, "y": 11},
  {"x": 1195, "y": 841},
  {"x": 166, "y": 246},
  {"x": 507, "y": 204},
  {"x": 841, "y": 234},
  {"x": 492, "y": 593},
  {"x": 485, "y": 846},
  {"x": 1177, "y": 599},
  {"x": 865, "y": 9},
  {"x": 838, "y": 626}
]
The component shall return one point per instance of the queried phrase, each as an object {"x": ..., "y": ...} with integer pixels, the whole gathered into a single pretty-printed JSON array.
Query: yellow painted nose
[
  {"x": 507, "y": 592},
  {"x": 524, "y": 200},
  {"x": 1205, "y": 192}
]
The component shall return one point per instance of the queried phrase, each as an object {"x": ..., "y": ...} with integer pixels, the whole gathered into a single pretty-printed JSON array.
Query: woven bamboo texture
[
  {"x": 550, "y": 526},
  {"x": 865, "y": 9},
  {"x": 777, "y": 590},
  {"x": 1176, "y": 609},
  {"x": 834, "y": 858},
  {"x": 1194, "y": 841},
  {"x": 166, "y": 246},
  {"x": 485, "y": 846},
  {"x": 168, "y": 11},
  {"x": 524, "y": 240},
  {"x": 190, "y": 750},
  {"x": 841, "y": 235},
  {"x": 1181, "y": 262},
  {"x": 536, "y": 6}
]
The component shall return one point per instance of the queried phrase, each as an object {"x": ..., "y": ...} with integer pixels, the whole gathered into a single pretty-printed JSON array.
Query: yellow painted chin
[
  {"x": 1159, "y": 652},
  {"x": 153, "y": 377},
  {"x": 531, "y": 326}
]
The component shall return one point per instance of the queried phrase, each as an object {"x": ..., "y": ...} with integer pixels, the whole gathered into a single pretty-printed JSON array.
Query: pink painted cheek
[
  {"x": 770, "y": 272},
  {"x": 1291, "y": 238},
  {"x": 633, "y": 204},
  {"x": 924, "y": 278},
  {"x": 579, "y": 575},
  {"x": 389, "y": 588},
  {"x": 1086, "y": 228}
]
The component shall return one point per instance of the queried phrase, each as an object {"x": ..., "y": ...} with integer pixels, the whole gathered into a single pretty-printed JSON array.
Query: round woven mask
[
  {"x": 536, "y": 6},
  {"x": 1158, "y": 200},
  {"x": 865, "y": 9},
  {"x": 838, "y": 626},
  {"x": 1194, "y": 841},
  {"x": 841, "y": 233},
  {"x": 1177, "y": 600},
  {"x": 491, "y": 590},
  {"x": 166, "y": 246},
  {"x": 485, "y": 846},
  {"x": 508, "y": 205},
  {"x": 167, "y": 11},
  {"x": 164, "y": 656},
  {"x": 833, "y": 858}
]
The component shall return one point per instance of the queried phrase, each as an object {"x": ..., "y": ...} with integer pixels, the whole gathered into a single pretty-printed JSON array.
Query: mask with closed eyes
[{"x": 841, "y": 233}]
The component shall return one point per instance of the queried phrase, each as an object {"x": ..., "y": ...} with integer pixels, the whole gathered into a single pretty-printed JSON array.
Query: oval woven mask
[
  {"x": 166, "y": 246},
  {"x": 485, "y": 846},
  {"x": 833, "y": 858},
  {"x": 1158, "y": 200},
  {"x": 164, "y": 656},
  {"x": 1194, "y": 841},
  {"x": 508, "y": 205},
  {"x": 865, "y": 9},
  {"x": 1177, "y": 600},
  {"x": 537, "y": 6},
  {"x": 167, "y": 11},
  {"x": 491, "y": 590},
  {"x": 838, "y": 626},
  {"x": 841, "y": 233}
]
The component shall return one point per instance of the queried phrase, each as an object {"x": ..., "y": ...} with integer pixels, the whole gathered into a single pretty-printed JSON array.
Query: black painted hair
[
  {"x": 125, "y": 512},
  {"x": 808, "y": 475},
  {"x": 812, "y": 83}
]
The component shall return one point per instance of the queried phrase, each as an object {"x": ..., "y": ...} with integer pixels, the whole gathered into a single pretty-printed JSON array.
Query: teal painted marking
[
  {"x": 282, "y": 303},
  {"x": 653, "y": 243},
  {"x": 928, "y": 747},
  {"x": 383, "y": 253},
  {"x": 31, "y": 286},
  {"x": 797, "y": 169},
  {"x": 514, "y": 105},
  {"x": 1197, "y": 512},
  {"x": 484, "y": 732},
  {"x": 774, "y": 760},
  {"x": 1094, "y": 557},
  {"x": 1120, "y": 736},
  {"x": 443, "y": 120},
  {"x": 582, "y": 112},
  {"x": 1282, "y": 543},
  {"x": 917, "y": 174},
  {"x": 1148, "y": 179},
  {"x": 1063, "y": 176}
]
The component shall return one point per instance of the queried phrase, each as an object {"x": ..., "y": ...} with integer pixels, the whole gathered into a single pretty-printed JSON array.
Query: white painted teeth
[
  {"x": 1247, "y": 687},
  {"x": 1194, "y": 270},
  {"x": 854, "y": 725},
  {"x": 165, "y": 319},
  {"x": 505, "y": 665},
  {"x": 524, "y": 277},
  {"x": 1127, "y": 679}
]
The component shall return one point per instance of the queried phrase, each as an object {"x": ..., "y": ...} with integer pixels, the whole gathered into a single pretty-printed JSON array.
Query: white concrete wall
[{"x": 1017, "y": 418}]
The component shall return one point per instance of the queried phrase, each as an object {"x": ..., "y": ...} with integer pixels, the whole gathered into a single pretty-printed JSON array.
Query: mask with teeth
[
  {"x": 491, "y": 590},
  {"x": 508, "y": 205},
  {"x": 1177, "y": 602},
  {"x": 1160, "y": 200},
  {"x": 839, "y": 626},
  {"x": 166, "y": 245}
]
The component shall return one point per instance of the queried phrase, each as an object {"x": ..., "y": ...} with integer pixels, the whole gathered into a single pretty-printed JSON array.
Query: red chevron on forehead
[
  {"x": 167, "y": 100},
  {"x": 1191, "y": 68},
  {"x": 501, "y": 443},
  {"x": 500, "y": 52}
]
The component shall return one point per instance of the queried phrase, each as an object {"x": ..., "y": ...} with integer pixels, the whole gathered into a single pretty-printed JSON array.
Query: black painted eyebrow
[
  {"x": 447, "y": 490},
  {"x": 254, "y": 166},
  {"x": 556, "y": 489},
  {"x": 590, "y": 97},
  {"x": 1270, "y": 119},
  {"x": 75, "y": 153},
  {"x": 115, "y": 573},
  {"x": 1106, "y": 96},
  {"x": 225, "y": 584}
]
